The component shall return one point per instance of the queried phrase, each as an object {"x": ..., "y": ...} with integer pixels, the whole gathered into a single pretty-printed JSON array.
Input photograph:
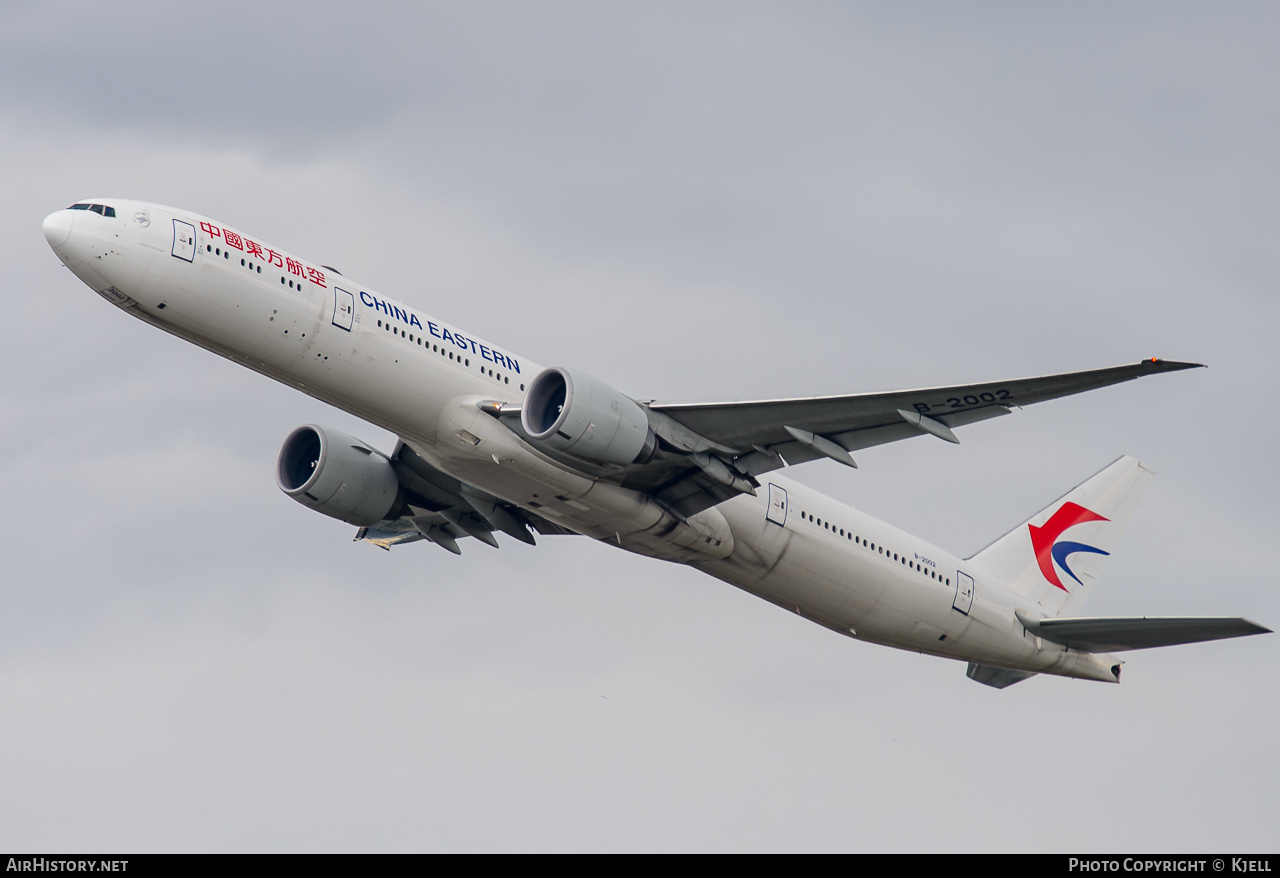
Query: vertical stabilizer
[{"x": 1055, "y": 557}]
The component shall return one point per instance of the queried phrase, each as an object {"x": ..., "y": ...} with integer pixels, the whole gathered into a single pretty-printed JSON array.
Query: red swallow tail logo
[{"x": 1044, "y": 540}]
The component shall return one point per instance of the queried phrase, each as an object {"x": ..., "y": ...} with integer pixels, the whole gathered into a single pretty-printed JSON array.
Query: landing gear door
[
  {"x": 777, "y": 505},
  {"x": 184, "y": 240},
  {"x": 964, "y": 592},
  {"x": 344, "y": 309}
]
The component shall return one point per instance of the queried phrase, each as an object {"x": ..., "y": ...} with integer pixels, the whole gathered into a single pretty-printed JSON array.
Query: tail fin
[{"x": 1055, "y": 557}]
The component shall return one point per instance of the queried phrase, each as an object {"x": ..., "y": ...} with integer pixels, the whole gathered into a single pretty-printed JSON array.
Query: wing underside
[{"x": 442, "y": 509}]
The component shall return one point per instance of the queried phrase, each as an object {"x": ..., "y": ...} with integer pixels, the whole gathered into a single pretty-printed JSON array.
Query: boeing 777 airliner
[{"x": 491, "y": 442}]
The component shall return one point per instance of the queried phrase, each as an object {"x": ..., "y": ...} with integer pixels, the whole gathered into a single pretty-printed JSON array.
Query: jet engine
[
  {"x": 337, "y": 474},
  {"x": 583, "y": 416}
]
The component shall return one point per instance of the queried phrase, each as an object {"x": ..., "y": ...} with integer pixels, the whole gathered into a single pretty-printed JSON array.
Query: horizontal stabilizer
[
  {"x": 1119, "y": 633},
  {"x": 997, "y": 678}
]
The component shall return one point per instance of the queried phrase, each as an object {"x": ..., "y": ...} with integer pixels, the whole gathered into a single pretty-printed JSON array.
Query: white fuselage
[{"x": 312, "y": 329}]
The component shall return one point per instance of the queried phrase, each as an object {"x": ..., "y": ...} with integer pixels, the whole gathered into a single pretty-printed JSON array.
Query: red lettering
[
  {"x": 294, "y": 266},
  {"x": 232, "y": 239},
  {"x": 254, "y": 248},
  {"x": 315, "y": 276},
  {"x": 211, "y": 230},
  {"x": 274, "y": 258}
]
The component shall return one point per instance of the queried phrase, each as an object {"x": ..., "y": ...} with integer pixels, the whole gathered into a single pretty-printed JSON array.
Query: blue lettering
[{"x": 441, "y": 332}]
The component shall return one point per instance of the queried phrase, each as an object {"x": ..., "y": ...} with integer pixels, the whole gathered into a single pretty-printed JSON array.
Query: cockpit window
[{"x": 96, "y": 208}]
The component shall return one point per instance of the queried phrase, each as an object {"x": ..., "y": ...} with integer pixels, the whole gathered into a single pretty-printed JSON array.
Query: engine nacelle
[
  {"x": 337, "y": 474},
  {"x": 583, "y": 416}
]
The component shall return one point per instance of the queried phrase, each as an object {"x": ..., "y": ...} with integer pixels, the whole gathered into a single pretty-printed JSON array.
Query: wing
[
  {"x": 1117, "y": 634},
  {"x": 442, "y": 509},
  {"x": 867, "y": 419},
  {"x": 722, "y": 446}
]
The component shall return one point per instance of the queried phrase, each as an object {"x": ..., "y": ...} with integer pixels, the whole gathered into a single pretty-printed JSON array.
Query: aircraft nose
[{"x": 57, "y": 227}]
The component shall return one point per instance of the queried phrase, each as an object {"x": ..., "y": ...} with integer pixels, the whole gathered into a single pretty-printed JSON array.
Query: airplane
[{"x": 490, "y": 442}]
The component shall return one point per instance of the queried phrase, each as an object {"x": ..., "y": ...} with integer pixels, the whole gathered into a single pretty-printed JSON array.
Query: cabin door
[
  {"x": 184, "y": 240},
  {"x": 964, "y": 592},
  {"x": 344, "y": 309},
  {"x": 777, "y": 512}
]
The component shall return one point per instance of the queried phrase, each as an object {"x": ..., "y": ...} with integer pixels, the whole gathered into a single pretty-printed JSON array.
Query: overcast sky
[{"x": 691, "y": 201}]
